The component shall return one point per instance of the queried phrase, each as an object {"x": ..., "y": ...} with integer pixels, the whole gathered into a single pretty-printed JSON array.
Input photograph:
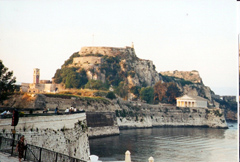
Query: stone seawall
[
  {"x": 185, "y": 117},
  {"x": 102, "y": 124},
  {"x": 105, "y": 118},
  {"x": 66, "y": 134},
  {"x": 104, "y": 131}
]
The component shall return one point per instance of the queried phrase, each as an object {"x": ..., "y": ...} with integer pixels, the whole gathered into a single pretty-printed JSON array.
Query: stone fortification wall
[
  {"x": 129, "y": 115},
  {"x": 88, "y": 106},
  {"x": 102, "y": 124},
  {"x": 94, "y": 132},
  {"x": 165, "y": 116},
  {"x": 141, "y": 115},
  {"x": 66, "y": 134},
  {"x": 100, "y": 119},
  {"x": 78, "y": 61},
  {"x": 41, "y": 88},
  {"x": 192, "y": 76},
  {"x": 110, "y": 51}
]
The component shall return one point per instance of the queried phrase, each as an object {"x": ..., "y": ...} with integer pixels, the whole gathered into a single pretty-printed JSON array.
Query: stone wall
[
  {"x": 192, "y": 76},
  {"x": 110, "y": 51},
  {"x": 100, "y": 119},
  {"x": 102, "y": 124},
  {"x": 78, "y": 61},
  {"x": 41, "y": 88},
  {"x": 88, "y": 106},
  {"x": 66, "y": 134},
  {"x": 166, "y": 116},
  {"x": 94, "y": 132}
]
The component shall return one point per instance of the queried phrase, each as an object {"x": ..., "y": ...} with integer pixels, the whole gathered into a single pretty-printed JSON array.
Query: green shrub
[
  {"x": 70, "y": 60},
  {"x": 136, "y": 118},
  {"x": 217, "y": 113},
  {"x": 117, "y": 113},
  {"x": 21, "y": 114},
  {"x": 96, "y": 84},
  {"x": 207, "y": 111},
  {"x": 101, "y": 94},
  {"x": 111, "y": 95}
]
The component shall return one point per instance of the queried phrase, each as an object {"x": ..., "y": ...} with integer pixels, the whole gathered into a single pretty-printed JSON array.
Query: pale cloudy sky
[{"x": 179, "y": 35}]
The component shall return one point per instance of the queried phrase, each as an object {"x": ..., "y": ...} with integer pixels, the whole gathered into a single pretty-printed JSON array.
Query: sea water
[{"x": 173, "y": 144}]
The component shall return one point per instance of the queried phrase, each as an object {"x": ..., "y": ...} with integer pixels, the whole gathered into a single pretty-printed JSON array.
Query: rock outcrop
[{"x": 192, "y": 76}]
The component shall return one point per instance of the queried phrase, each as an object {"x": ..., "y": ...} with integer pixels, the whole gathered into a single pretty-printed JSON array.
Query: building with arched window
[{"x": 191, "y": 101}]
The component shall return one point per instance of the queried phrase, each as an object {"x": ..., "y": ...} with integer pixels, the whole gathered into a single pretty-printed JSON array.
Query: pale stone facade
[
  {"x": 41, "y": 86},
  {"x": 191, "y": 101},
  {"x": 78, "y": 61},
  {"x": 110, "y": 51},
  {"x": 66, "y": 134},
  {"x": 192, "y": 76}
]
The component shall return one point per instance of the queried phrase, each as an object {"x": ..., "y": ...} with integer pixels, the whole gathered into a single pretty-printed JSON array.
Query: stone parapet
[
  {"x": 66, "y": 134},
  {"x": 110, "y": 51}
]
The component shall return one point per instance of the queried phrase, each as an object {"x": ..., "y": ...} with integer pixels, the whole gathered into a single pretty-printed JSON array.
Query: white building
[{"x": 191, "y": 101}]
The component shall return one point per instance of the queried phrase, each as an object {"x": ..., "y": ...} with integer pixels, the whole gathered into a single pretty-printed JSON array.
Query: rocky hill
[
  {"x": 191, "y": 83},
  {"x": 134, "y": 70},
  {"x": 120, "y": 68}
]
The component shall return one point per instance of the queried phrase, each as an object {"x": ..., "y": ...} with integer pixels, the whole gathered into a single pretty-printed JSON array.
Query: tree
[
  {"x": 111, "y": 95},
  {"x": 83, "y": 77},
  {"x": 147, "y": 94},
  {"x": 122, "y": 90},
  {"x": 172, "y": 92},
  {"x": 70, "y": 60},
  {"x": 57, "y": 77},
  {"x": 73, "y": 79},
  {"x": 7, "y": 86},
  {"x": 135, "y": 90},
  {"x": 112, "y": 70},
  {"x": 95, "y": 84},
  {"x": 160, "y": 91}
]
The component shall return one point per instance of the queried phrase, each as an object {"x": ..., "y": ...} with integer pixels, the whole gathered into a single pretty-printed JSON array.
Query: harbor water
[{"x": 181, "y": 144}]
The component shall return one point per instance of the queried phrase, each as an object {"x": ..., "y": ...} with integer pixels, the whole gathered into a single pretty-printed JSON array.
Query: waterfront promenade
[{"x": 5, "y": 157}]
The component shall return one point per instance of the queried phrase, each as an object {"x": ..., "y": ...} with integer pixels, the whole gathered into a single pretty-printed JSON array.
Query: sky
[{"x": 181, "y": 35}]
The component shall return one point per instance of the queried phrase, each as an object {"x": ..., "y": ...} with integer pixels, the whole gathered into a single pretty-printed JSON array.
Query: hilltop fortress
[
  {"x": 90, "y": 56},
  {"x": 110, "y": 51},
  {"x": 192, "y": 76}
]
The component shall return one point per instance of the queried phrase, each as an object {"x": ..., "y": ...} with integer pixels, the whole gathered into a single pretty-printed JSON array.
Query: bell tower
[
  {"x": 36, "y": 75},
  {"x": 132, "y": 45}
]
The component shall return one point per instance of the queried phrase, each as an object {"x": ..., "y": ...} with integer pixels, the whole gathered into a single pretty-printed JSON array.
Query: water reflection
[{"x": 169, "y": 144}]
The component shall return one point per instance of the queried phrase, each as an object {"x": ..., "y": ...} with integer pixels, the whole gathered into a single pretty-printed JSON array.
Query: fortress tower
[{"x": 36, "y": 76}]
